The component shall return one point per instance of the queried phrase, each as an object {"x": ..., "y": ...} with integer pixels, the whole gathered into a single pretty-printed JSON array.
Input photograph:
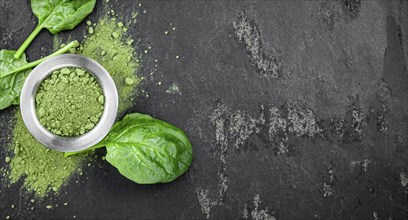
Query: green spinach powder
[
  {"x": 45, "y": 171},
  {"x": 70, "y": 102}
]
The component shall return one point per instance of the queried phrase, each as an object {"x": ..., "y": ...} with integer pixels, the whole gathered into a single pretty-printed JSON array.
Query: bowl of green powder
[{"x": 69, "y": 103}]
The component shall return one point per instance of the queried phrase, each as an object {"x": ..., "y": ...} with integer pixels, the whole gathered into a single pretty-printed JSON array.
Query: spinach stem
[
  {"x": 35, "y": 63},
  {"x": 27, "y": 42},
  {"x": 98, "y": 145}
]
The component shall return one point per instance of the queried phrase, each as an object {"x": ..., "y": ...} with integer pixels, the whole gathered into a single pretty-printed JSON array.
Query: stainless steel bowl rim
[{"x": 77, "y": 143}]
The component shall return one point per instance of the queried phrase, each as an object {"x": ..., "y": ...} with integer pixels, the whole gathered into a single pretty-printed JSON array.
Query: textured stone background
[{"x": 296, "y": 110}]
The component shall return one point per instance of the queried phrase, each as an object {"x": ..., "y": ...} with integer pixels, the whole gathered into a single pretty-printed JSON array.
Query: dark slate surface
[{"x": 296, "y": 110}]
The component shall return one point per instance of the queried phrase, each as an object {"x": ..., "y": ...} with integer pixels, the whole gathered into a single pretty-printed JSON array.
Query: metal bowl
[{"x": 76, "y": 143}]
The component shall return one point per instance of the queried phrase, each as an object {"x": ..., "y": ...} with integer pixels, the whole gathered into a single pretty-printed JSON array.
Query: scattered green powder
[
  {"x": 112, "y": 48},
  {"x": 129, "y": 81},
  {"x": 69, "y": 102},
  {"x": 115, "y": 35},
  {"x": 43, "y": 169},
  {"x": 90, "y": 30},
  {"x": 72, "y": 50}
]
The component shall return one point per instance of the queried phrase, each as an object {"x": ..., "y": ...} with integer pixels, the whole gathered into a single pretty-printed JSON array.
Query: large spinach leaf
[
  {"x": 147, "y": 150},
  {"x": 13, "y": 72},
  {"x": 56, "y": 16},
  {"x": 10, "y": 85}
]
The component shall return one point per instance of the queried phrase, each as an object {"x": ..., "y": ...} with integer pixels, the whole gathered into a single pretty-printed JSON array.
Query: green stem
[
  {"x": 98, "y": 145},
  {"x": 27, "y": 42},
  {"x": 35, "y": 63}
]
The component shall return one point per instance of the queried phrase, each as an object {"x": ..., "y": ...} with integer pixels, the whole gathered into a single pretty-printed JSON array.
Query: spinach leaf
[
  {"x": 14, "y": 71},
  {"x": 147, "y": 150},
  {"x": 56, "y": 16},
  {"x": 11, "y": 85}
]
